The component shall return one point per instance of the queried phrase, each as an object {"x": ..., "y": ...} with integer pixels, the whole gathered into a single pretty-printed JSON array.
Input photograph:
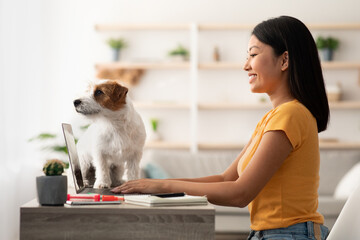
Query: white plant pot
[{"x": 155, "y": 136}]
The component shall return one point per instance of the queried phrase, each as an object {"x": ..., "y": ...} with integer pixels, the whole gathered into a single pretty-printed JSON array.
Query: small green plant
[
  {"x": 330, "y": 43},
  {"x": 179, "y": 51},
  {"x": 53, "y": 167},
  {"x": 49, "y": 138},
  {"x": 154, "y": 124},
  {"x": 118, "y": 43}
]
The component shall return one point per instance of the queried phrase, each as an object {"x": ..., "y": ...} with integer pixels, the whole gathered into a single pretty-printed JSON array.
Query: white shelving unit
[{"x": 194, "y": 66}]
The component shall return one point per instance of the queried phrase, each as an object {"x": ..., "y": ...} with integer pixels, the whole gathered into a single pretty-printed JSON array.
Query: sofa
[{"x": 183, "y": 164}]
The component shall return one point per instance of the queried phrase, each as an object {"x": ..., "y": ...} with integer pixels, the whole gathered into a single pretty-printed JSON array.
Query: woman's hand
[{"x": 141, "y": 186}]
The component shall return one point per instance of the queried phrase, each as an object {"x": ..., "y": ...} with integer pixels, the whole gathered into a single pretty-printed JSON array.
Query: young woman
[{"x": 277, "y": 173}]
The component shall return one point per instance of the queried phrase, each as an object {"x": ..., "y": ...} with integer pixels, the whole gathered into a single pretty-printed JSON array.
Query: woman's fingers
[
  {"x": 138, "y": 186},
  {"x": 128, "y": 187}
]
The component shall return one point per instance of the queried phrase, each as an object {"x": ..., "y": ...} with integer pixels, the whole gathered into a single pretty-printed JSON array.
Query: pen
[
  {"x": 84, "y": 197},
  {"x": 93, "y": 198},
  {"x": 106, "y": 198}
]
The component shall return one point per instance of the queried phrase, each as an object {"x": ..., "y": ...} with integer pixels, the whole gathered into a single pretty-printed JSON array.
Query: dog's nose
[{"x": 77, "y": 102}]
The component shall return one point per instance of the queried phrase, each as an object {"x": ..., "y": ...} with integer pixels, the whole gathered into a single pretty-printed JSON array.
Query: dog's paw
[
  {"x": 101, "y": 185},
  {"x": 86, "y": 183}
]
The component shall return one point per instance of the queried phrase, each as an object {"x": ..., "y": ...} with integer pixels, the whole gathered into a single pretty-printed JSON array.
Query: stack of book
[{"x": 159, "y": 200}]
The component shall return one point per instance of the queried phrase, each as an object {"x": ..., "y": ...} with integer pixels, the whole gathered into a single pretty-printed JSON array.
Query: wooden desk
[{"x": 123, "y": 221}]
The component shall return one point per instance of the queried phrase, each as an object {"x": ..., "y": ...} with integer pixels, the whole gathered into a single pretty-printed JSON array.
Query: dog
[{"x": 114, "y": 141}]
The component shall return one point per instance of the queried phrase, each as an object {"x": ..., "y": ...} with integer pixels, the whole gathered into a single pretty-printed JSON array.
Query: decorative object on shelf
[
  {"x": 179, "y": 54},
  {"x": 333, "y": 92},
  {"x": 155, "y": 135},
  {"x": 216, "y": 54},
  {"x": 130, "y": 77},
  {"x": 327, "y": 47},
  {"x": 116, "y": 45},
  {"x": 52, "y": 188}
]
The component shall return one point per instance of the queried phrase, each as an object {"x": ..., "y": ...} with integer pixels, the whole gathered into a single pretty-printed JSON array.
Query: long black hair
[{"x": 306, "y": 81}]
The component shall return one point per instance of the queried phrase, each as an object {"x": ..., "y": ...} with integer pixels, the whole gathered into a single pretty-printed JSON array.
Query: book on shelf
[{"x": 157, "y": 201}]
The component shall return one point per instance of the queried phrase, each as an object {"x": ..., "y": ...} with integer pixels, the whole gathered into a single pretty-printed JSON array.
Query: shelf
[
  {"x": 234, "y": 106},
  {"x": 221, "y": 65},
  {"x": 219, "y": 27},
  {"x": 340, "y": 26},
  {"x": 345, "y": 105},
  {"x": 225, "y": 27},
  {"x": 195, "y": 66},
  {"x": 237, "y": 65},
  {"x": 136, "y": 27},
  {"x": 332, "y": 145},
  {"x": 167, "y": 145},
  {"x": 144, "y": 65},
  {"x": 212, "y": 27},
  {"x": 221, "y": 146},
  {"x": 336, "y": 145},
  {"x": 341, "y": 65},
  {"x": 210, "y": 65},
  {"x": 162, "y": 105},
  {"x": 268, "y": 106}
]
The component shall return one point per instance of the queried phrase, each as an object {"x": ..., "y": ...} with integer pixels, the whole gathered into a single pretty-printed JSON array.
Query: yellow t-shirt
[{"x": 291, "y": 195}]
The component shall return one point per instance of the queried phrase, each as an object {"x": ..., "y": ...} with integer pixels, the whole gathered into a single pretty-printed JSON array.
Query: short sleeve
[{"x": 292, "y": 121}]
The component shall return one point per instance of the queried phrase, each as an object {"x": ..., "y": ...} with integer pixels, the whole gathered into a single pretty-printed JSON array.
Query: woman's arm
[{"x": 272, "y": 151}]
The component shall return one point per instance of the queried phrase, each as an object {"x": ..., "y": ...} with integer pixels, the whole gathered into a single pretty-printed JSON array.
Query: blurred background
[{"x": 49, "y": 51}]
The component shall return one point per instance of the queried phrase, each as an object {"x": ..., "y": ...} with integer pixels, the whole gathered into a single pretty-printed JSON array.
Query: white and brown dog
[{"x": 115, "y": 140}]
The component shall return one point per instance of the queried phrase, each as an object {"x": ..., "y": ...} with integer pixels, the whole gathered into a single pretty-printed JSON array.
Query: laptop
[{"x": 75, "y": 165}]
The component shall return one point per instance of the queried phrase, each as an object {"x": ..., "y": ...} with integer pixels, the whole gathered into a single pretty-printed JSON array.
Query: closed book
[{"x": 155, "y": 201}]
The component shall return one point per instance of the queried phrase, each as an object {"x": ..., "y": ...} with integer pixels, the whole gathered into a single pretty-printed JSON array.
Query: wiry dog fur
[{"x": 115, "y": 139}]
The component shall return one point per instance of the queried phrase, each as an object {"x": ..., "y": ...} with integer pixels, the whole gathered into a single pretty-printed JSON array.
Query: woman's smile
[{"x": 252, "y": 77}]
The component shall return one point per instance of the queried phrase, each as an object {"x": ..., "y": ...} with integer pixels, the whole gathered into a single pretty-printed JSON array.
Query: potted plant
[
  {"x": 154, "y": 136},
  {"x": 327, "y": 47},
  {"x": 179, "y": 53},
  {"x": 116, "y": 45},
  {"x": 52, "y": 188}
]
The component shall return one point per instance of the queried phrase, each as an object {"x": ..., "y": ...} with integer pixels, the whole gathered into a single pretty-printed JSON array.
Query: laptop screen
[{"x": 73, "y": 157}]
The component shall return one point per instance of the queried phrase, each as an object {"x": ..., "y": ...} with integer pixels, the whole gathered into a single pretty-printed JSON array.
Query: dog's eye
[{"x": 98, "y": 93}]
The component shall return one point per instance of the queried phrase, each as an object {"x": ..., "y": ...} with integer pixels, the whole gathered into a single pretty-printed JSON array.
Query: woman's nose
[{"x": 246, "y": 66}]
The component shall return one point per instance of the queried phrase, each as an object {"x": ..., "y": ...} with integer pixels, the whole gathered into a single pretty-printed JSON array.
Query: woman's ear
[{"x": 285, "y": 61}]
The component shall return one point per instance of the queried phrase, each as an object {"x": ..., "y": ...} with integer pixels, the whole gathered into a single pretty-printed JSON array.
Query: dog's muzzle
[
  {"x": 77, "y": 102},
  {"x": 86, "y": 108}
]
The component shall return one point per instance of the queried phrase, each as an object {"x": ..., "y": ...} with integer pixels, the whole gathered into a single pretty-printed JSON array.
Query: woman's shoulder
[{"x": 294, "y": 108}]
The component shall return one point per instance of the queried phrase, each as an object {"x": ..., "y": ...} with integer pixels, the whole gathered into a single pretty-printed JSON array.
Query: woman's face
[{"x": 264, "y": 68}]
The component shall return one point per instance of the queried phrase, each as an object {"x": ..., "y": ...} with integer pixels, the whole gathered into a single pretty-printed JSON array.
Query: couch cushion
[
  {"x": 153, "y": 170},
  {"x": 348, "y": 183},
  {"x": 183, "y": 164},
  {"x": 333, "y": 166}
]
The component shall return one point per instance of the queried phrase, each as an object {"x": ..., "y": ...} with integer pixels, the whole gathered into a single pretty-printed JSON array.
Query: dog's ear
[{"x": 119, "y": 93}]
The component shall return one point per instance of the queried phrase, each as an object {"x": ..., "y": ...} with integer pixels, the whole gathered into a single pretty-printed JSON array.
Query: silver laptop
[{"x": 75, "y": 165}]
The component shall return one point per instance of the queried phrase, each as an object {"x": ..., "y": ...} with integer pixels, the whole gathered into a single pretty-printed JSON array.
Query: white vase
[{"x": 155, "y": 136}]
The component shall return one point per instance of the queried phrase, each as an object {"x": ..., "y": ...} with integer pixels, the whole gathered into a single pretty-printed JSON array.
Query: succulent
[
  {"x": 53, "y": 167},
  {"x": 179, "y": 51},
  {"x": 154, "y": 123},
  {"x": 118, "y": 43},
  {"x": 330, "y": 42}
]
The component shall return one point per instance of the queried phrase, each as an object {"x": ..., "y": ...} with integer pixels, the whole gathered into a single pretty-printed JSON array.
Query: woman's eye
[
  {"x": 98, "y": 92},
  {"x": 251, "y": 56}
]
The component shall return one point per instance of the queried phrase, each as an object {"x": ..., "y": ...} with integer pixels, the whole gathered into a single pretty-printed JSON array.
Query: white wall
[{"x": 48, "y": 50}]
